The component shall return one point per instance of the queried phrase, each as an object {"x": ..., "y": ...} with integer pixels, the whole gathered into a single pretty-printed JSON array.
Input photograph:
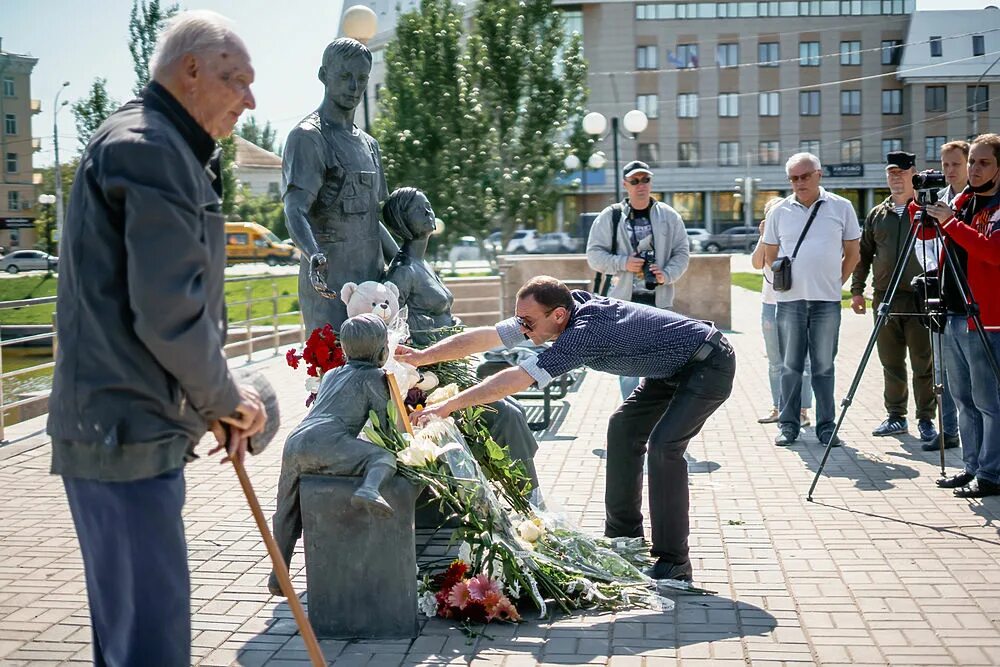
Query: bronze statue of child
[{"x": 327, "y": 443}]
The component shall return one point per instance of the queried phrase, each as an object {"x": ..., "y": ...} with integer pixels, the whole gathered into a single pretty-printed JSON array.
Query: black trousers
[{"x": 666, "y": 414}]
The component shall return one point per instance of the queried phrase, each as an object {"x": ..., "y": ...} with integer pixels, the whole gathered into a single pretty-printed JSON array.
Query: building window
[
  {"x": 935, "y": 98},
  {"x": 809, "y": 103},
  {"x": 687, "y": 154},
  {"x": 850, "y": 103},
  {"x": 768, "y": 54},
  {"x": 850, "y": 151},
  {"x": 768, "y": 152},
  {"x": 11, "y": 163},
  {"x": 729, "y": 153},
  {"x": 727, "y": 55},
  {"x": 645, "y": 57},
  {"x": 892, "y": 50},
  {"x": 14, "y": 200},
  {"x": 687, "y": 105},
  {"x": 650, "y": 153},
  {"x": 809, "y": 54},
  {"x": 8, "y": 87},
  {"x": 687, "y": 56},
  {"x": 648, "y": 105},
  {"x": 9, "y": 124},
  {"x": 892, "y": 101},
  {"x": 809, "y": 146},
  {"x": 726, "y": 208},
  {"x": 977, "y": 98},
  {"x": 932, "y": 148},
  {"x": 768, "y": 104},
  {"x": 691, "y": 206},
  {"x": 978, "y": 45},
  {"x": 890, "y": 145},
  {"x": 729, "y": 105},
  {"x": 850, "y": 53},
  {"x": 935, "y": 43}
]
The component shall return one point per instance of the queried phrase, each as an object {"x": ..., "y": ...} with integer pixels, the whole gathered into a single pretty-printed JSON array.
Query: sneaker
[
  {"x": 925, "y": 427},
  {"x": 804, "y": 417},
  {"x": 771, "y": 418},
  {"x": 785, "y": 437},
  {"x": 664, "y": 569},
  {"x": 825, "y": 436},
  {"x": 892, "y": 425},
  {"x": 950, "y": 442}
]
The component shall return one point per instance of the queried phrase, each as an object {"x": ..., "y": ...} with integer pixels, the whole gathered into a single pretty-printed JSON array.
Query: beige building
[
  {"x": 18, "y": 205},
  {"x": 258, "y": 170}
]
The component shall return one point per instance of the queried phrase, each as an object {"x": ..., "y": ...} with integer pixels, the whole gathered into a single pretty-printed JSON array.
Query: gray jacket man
[{"x": 670, "y": 244}]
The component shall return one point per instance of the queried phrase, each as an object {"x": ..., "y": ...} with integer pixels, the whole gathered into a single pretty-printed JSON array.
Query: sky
[{"x": 78, "y": 40}]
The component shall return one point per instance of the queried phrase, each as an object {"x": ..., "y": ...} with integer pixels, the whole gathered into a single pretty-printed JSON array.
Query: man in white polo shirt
[{"x": 808, "y": 314}]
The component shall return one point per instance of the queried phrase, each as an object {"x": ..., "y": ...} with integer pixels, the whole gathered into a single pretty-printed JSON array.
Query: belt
[{"x": 715, "y": 341}]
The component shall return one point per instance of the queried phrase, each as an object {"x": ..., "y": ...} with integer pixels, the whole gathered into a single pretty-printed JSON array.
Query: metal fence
[{"x": 248, "y": 336}]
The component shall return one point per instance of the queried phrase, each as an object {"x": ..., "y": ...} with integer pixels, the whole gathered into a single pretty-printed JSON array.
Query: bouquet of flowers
[
  {"x": 479, "y": 599},
  {"x": 320, "y": 354}
]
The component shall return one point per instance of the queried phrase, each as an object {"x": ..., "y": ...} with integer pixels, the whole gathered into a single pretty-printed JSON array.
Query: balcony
[
  {"x": 36, "y": 106},
  {"x": 36, "y": 144}
]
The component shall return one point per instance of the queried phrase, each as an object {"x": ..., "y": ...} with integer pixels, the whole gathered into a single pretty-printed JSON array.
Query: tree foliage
[
  {"x": 481, "y": 123},
  {"x": 92, "y": 110},
  {"x": 263, "y": 209},
  {"x": 262, "y": 136},
  {"x": 144, "y": 25}
]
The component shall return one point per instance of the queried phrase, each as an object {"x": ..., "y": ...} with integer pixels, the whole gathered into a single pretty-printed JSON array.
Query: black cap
[
  {"x": 636, "y": 167},
  {"x": 900, "y": 159}
]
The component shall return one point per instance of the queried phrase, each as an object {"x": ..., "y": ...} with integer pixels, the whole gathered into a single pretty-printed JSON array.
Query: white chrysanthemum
[
  {"x": 442, "y": 394},
  {"x": 427, "y": 604}
]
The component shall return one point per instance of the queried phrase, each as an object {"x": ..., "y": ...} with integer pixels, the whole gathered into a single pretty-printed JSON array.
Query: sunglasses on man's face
[
  {"x": 639, "y": 181},
  {"x": 528, "y": 325},
  {"x": 794, "y": 178}
]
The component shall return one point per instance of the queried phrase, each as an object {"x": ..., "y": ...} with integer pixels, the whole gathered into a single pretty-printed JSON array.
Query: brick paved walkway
[{"x": 883, "y": 568}]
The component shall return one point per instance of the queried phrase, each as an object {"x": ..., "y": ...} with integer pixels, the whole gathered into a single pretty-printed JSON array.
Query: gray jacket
[
  {"x": 670, "y": 241},
  {"x": 140, "y": 308}
]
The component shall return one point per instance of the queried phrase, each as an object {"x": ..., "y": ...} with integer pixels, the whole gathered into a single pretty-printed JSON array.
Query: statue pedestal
[{"x": 361, "y": 570}]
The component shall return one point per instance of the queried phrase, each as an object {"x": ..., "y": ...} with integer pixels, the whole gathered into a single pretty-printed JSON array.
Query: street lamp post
[
  {"x": 572, "y": 163},
  {"x": 595, "y": 124},
  {"x": 360, "y": 23},
  {"x": 58, "y": 173}
]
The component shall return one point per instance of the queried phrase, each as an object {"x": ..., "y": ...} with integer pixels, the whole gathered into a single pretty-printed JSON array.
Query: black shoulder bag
[
  {"x": 782, "y": 267},
  {"x": 616, "y": 216}
]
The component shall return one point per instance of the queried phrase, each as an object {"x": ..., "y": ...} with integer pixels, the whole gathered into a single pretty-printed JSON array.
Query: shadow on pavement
[{"x": 869, "y": 471}]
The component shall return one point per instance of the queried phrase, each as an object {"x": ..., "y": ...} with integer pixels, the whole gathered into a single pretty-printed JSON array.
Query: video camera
[{"x": 926, "y": 186}]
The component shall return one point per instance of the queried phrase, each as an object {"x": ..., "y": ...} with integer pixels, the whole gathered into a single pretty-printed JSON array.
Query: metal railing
[{"x": 254, "y": 335}]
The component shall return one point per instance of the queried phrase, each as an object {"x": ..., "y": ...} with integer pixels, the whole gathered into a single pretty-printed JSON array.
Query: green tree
[
  {"x": 92, "y": 110},
  {"x": 45, "y": 221},
  {"x": 144, "y": 24},
  {"x": 262, "y": 136},
  {"x": 262, "y": 209},
  {"x": 229, "y": 190}
]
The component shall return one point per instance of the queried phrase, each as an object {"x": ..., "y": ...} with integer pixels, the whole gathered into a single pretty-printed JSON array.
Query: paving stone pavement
[{"x": 883, "y": 568}]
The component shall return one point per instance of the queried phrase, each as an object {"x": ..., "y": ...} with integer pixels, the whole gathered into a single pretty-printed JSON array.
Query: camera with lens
[
  {"x": 926, "y": 186},
  {"x": 648, "y": 258}
]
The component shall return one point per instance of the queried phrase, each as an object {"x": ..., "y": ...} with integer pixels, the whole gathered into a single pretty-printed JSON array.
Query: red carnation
[{"x": 292, "y": 358}]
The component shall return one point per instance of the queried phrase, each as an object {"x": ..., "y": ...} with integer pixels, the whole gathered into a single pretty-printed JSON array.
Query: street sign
[
  {"x": 17, "y": 223},
  {"x": 844, "y": 170}
]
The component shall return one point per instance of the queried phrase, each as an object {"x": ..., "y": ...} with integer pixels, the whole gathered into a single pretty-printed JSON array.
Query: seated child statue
[
  {"x": 327, "y": 443},
  {"x": 408, "y": 214}
]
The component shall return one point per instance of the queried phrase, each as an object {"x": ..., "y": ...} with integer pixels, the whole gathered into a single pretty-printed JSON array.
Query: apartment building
[
  {"x": 18, "y": 205},
  {"x": 732, "y": 89}
]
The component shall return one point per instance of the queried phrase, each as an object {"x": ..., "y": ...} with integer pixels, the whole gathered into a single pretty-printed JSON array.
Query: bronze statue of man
[{"x": 332, "y": 186}]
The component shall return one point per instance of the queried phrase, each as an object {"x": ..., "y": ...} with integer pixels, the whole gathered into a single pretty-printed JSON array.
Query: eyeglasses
[
  {"x": 530, "y": 326},
  {"x": 639, "y": 181},
  {"x": 792, "y": 178}
]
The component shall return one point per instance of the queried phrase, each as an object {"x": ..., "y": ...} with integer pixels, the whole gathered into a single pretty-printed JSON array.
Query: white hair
[
  {"x": 196, "y": 32},
  {"x": 803, "y": 157}
]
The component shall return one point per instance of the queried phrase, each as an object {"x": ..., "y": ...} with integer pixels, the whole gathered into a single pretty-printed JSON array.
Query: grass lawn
[{"x": 754, "y": 282}]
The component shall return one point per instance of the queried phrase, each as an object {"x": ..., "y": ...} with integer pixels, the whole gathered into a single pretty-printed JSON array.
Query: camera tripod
[{"x": 936, "y": 311}]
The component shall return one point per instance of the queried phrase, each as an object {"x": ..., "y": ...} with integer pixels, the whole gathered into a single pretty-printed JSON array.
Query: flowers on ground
[{"x": 479, "y": 599}]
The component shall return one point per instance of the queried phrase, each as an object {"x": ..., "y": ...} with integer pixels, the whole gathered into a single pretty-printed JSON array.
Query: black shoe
[
  {"x": 956, "y": 481},
  {"x": 978, "y": 488},
  {"x": 664, "y": 569},
  {"x": 925, "y": 427},
  {"x": 892, "y": 425},
  {"x": 824, "y": 438},
  {"x": 786, "y": 437},
  {"x": 950, "y": 442}
]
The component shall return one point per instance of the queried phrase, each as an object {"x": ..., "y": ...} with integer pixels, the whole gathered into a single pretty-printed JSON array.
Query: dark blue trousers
[{"x": 135, "y": 560}]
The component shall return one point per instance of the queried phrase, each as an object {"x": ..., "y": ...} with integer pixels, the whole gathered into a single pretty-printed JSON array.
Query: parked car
[
  {"x": 466, "y": 250},
  {"x": 524, "y": 240},
  {"x": 493, "y": 244},
  {"x": 556, "y": 242},
  {"x": 696, "y": 238},
  {"x": 734, "y": 238},
  {"x": 28, "y": 260}
]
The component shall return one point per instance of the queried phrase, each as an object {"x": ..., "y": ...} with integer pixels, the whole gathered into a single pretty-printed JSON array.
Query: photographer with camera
[
  {"x": 643, "y": 244},
  {"x": 971, "y": 226},
  {"x": 883, "y": 242}
]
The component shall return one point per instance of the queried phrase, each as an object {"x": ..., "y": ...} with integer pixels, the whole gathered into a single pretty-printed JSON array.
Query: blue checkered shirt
[{"x": 613, "y": 336}]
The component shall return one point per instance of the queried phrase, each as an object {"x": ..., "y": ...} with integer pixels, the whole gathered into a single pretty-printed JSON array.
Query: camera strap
[
  {"x": 599, "y": 278},
  {"x": 805, "y": 230}
]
